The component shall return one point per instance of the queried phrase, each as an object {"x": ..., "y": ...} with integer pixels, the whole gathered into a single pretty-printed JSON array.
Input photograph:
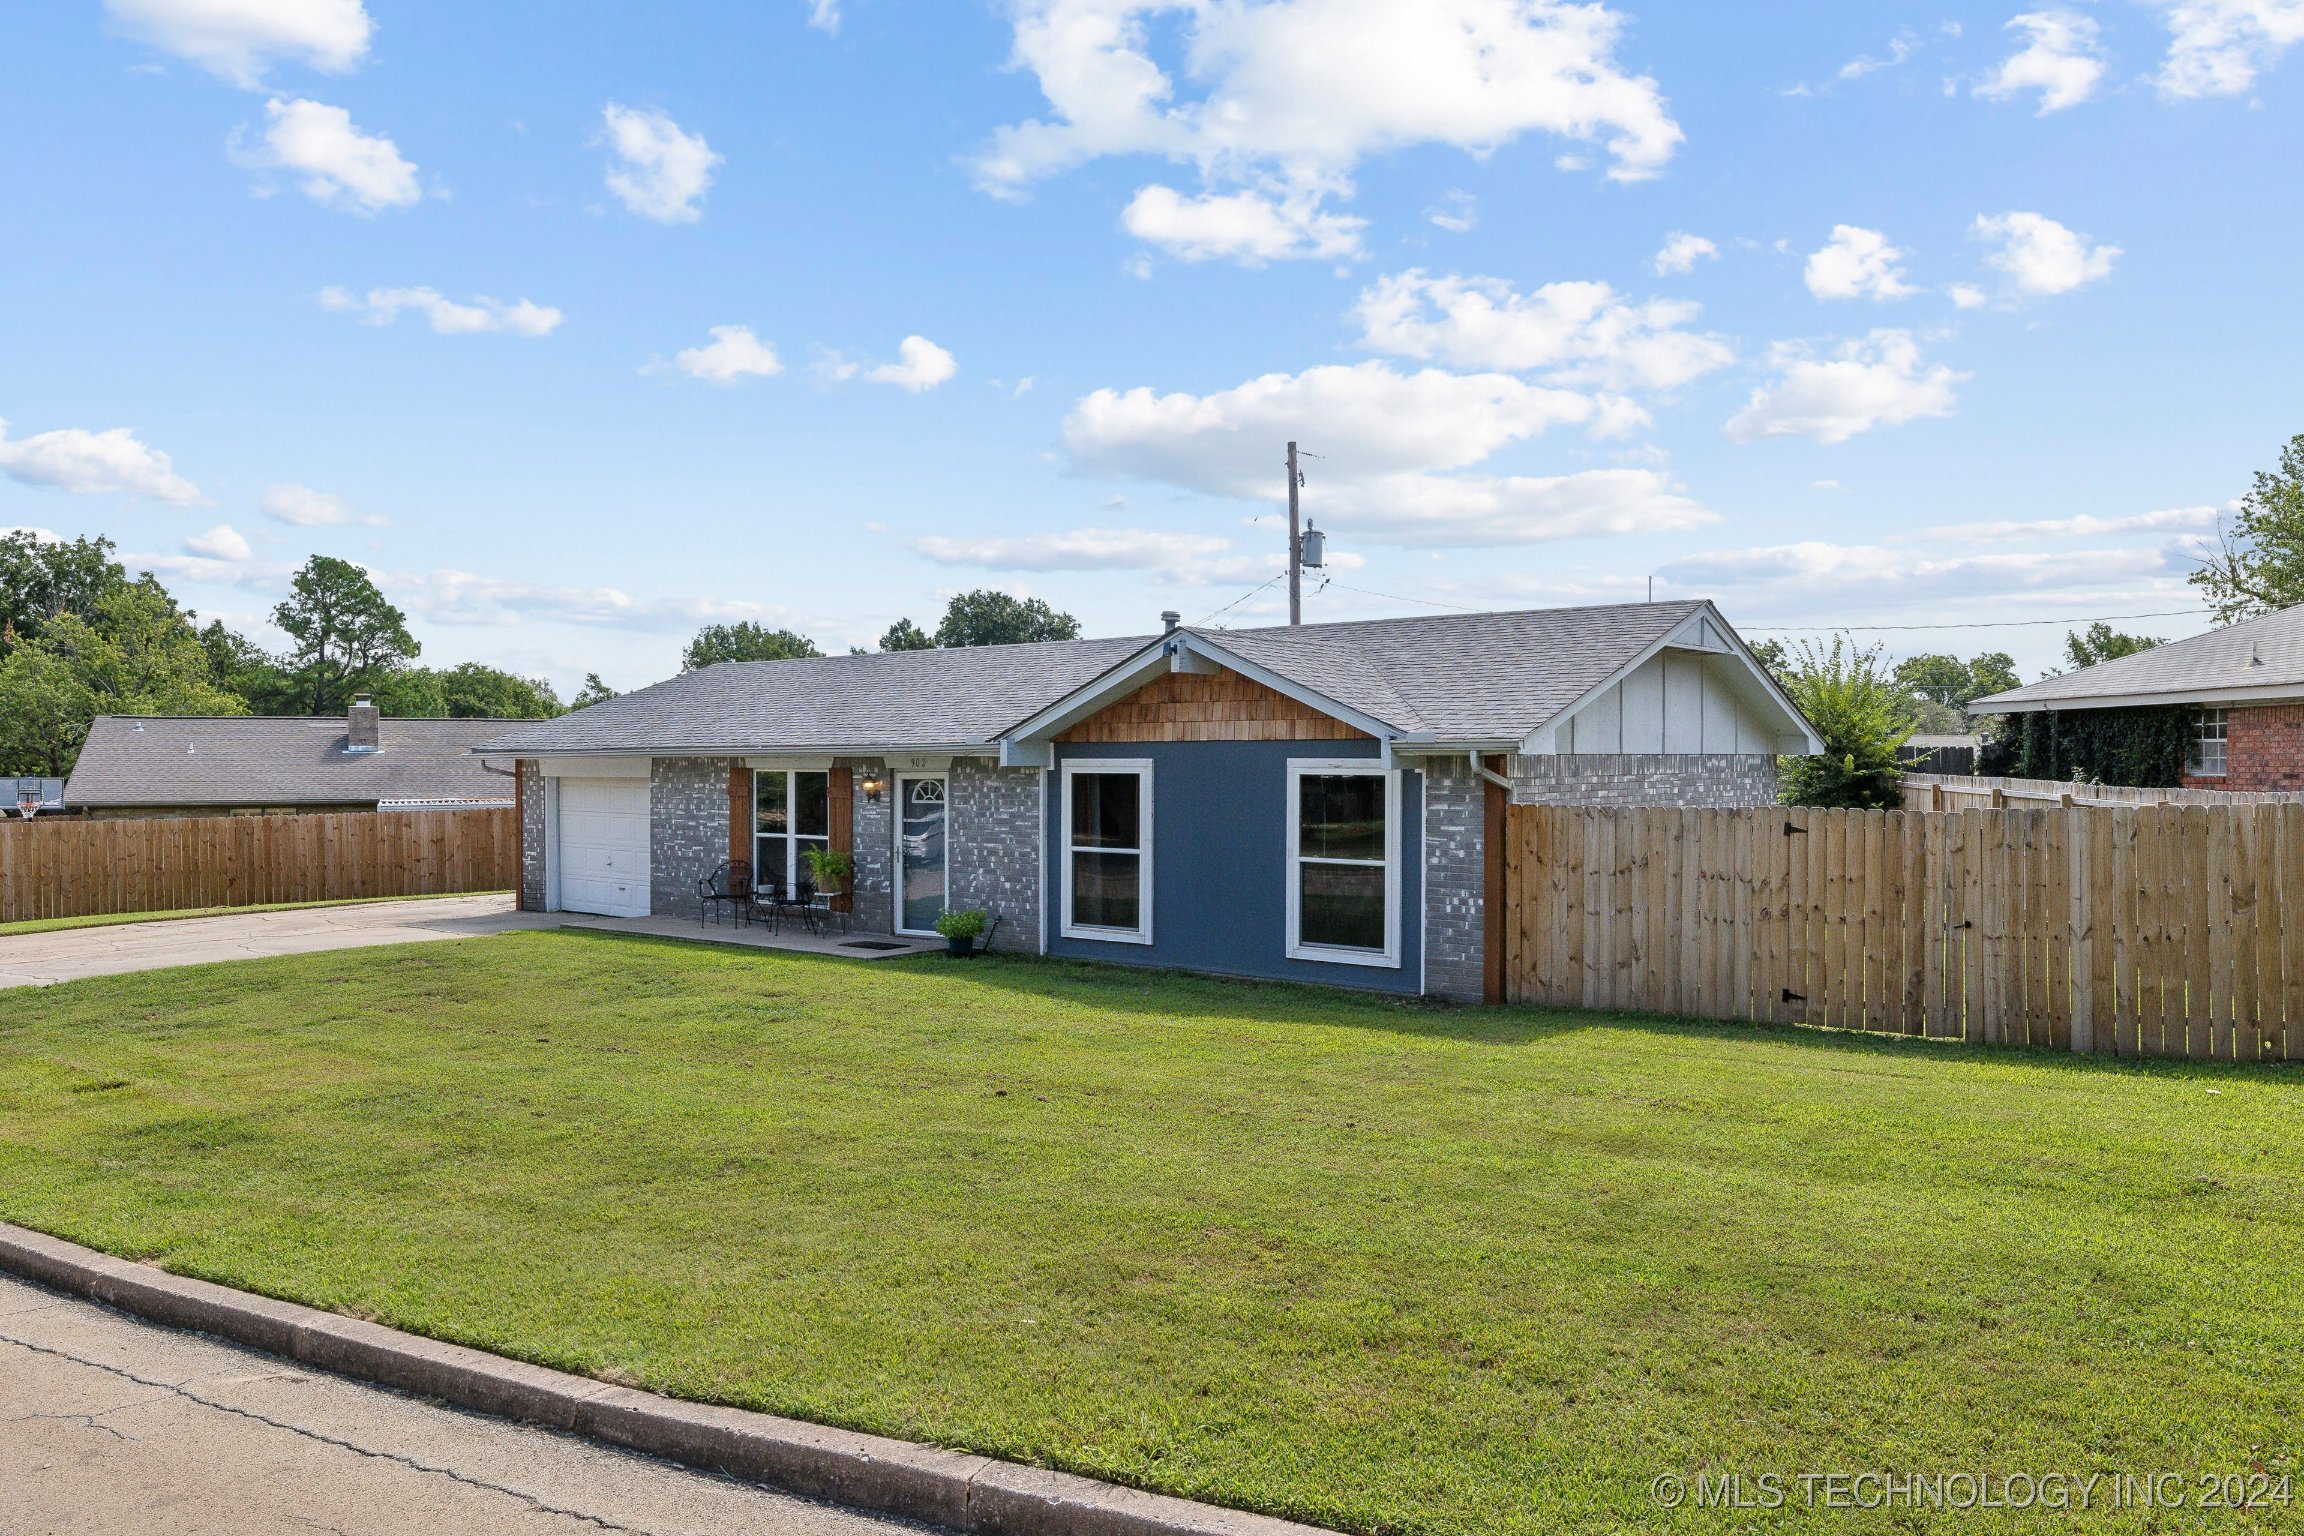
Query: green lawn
[{"x": 1378, "y": 1266}]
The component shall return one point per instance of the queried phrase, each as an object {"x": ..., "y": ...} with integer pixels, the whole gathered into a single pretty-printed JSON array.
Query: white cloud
[
  {"x": 222, "y": 542},
  {"x": 660, "y": 172},
  {"x": 82, "y": 462},
  {"x": 2061, "y": 59},
  {"x": 1246, "y": 226},
  {"x": 1857, "y": 263},
  {"x": 733, "y": 354},
  {"x": 2085, "y": 525},
  {"x": 2040, "y": 255},
  {"x": 1682, "y": 251},
  {"x": 382, "y": 306},
  {"x": 1458, "y": 212},
  {"x": 1183, "y": 559},
  {"x": 1900, "y": 48},
  {"x": 923, "y": 366},
  {"x": 239, "y": 39},
  {"x": 824, "y": 15},
  {"x": 300, "y": 506},
  {"x": 1882, "y": 578},
  {"x": 341, "y": 167},
  {"x": 260, "y": 576},
  {"x": 2216, "y": 47},
  {"x": 1406, "y": 434},
  {"x": 1577, "y": 333},
  {"x": 1285, "y": 97},
  {"x": 449, "y": 596},
  {"x": 1967, "y": 296},
  {"x": 1873, "y": 382},
  {"x": 1227, "y": 442}
]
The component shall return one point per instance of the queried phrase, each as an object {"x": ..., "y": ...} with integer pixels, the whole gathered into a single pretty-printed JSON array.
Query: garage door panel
[{"x": 604, "y": 846}]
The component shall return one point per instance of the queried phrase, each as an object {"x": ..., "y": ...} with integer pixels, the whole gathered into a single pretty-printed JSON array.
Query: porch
[{"x": 794, "y": 937}]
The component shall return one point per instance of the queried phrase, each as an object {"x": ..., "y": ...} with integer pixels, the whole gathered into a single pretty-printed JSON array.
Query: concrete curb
[{"x": 894, "y": 1477}]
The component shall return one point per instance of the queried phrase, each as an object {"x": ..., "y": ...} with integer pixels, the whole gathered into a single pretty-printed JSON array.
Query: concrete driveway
[
  {"x": 67, "y": 954},
  {"x": 109, "y": 1424}
]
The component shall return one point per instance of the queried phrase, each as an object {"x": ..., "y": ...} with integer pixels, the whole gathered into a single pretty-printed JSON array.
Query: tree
[
  {"x": 409, "y": 693},
  {"x": 986, "y": 617},
  {"x": 1953, "y": 683},
  {"x": 43, "y": 579},
  {"x": 1993, "y": 672},
  {"x": 477, "y": 692},
  {"x": 238, "y": 665},
  {"x": 1770, "y": 654},
  {"x": 593, "y": 692},
  {"x": 347, "y": 637},
  {"x": 136, "y": 655},
  {"x": 747, "y": 641},
  {"x": 904, "y": 635},
  {"x": 2259, "y": 563},
  {"x": 1862, "y": 714},
  {"x": 2100, "y": 642}
]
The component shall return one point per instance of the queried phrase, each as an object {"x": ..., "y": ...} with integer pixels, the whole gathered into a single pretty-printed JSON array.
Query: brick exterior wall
[
  {"x": 687, "y": 829},
  {"x": 993, "y": 847},
  {"x": 1692, "y": 782},
  {"x": 531, "y": 834},
  {"x": 1455, "y": 897},
  {"x": 875, "y": 851},
  {"x": 2263, "y": 750}
]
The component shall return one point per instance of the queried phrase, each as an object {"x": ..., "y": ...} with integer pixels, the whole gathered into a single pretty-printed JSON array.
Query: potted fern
[
  {"x": 830, "y": 869},
  {"x": 960, "y": 930}
]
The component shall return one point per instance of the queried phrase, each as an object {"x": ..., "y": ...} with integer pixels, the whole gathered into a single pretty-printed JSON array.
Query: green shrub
[
  {"x": 1862, "y": 713},
  {"x": 961, "y": 925}
]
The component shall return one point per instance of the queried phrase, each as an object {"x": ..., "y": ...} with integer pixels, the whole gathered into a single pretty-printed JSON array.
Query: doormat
[{"x": 871, "y": 944}]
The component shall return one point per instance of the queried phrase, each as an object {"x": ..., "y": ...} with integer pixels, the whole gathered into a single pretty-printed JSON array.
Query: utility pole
[{"x": 1295, "y": 546}]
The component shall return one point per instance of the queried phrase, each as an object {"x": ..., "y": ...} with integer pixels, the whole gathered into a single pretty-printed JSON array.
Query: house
[
  {"x": 246, "y": 765},
  {"x": 2237, "y": 693},
  {"x": 1319, "y": 802}
]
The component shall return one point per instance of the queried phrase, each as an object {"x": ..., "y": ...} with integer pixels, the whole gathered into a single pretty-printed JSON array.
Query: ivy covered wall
[{"x": 2143, "y": 747}]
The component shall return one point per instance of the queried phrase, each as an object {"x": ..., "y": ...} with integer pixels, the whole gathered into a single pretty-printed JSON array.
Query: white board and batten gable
[{"x": 1698, "y": 692}]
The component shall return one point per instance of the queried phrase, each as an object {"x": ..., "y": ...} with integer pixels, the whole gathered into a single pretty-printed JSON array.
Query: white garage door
[{"x": 604, "y": 846}]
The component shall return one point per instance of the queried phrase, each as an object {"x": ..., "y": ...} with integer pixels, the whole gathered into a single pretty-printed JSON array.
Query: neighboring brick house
[
  {"x": 1317, "y": 802},
  {"x": 251, "y": 765},
  {"x": 2242, "y": 687}
]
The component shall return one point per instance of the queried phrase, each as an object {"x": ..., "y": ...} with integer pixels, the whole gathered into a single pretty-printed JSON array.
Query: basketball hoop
[
  {"x": 30, "y": 797},
  {"x": 29, "y": 805}
]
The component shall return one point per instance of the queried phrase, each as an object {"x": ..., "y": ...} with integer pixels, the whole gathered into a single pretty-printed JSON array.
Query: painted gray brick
[
  {"x": 687, "y": 828},
  {"x": 531, "y": 835},
  {"x": 1687, "y": 781},
  {"x": 1455, "y": 885},
  {"x": 994, "y": 838}
]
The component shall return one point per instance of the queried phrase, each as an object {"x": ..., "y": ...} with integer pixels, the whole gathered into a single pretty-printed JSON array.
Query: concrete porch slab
[{"x": 860, "y": 945}]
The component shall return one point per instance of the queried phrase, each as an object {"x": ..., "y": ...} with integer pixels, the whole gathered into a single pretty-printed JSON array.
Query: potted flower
[
  {"x": 830, "y": 868},
  {"x": 960, "y": 930}
]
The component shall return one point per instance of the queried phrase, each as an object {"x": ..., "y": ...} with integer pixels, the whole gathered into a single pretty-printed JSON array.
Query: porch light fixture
[{"x": 872, "y": 786}]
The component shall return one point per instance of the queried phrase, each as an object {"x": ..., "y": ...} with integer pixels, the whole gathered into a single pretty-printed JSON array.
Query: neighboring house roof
[
  {"x": 2258, "y": 659},
  {"x": 161, "y": 760},
  {"x": 1453, "y": 677}
]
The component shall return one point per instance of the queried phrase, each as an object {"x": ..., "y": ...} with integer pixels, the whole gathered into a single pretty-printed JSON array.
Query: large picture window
[
  {"x": 2206, "y": 759},
  {"x": 791, "y": 813},
  {"x": 1108, "y": 850},
  {"x": 1343, "y": 863}
]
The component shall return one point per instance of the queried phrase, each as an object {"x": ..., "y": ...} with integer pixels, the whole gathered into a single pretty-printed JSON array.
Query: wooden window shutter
[
  {"x": 842, "y": 795},
  {"x": 739, "y": 814}
]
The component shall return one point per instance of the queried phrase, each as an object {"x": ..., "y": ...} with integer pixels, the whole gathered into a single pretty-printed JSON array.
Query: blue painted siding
[{"x": 1220, "y": 863}]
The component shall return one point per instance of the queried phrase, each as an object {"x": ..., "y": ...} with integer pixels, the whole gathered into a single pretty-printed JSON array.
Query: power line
[
  {"x": 2106, "y": 618},
  {"x": 1397, "y": 598},
  {"x": 1243, "y": 597}
]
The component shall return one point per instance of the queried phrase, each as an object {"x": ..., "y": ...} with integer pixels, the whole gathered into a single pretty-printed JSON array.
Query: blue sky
[{"x": 583, "y": 324}]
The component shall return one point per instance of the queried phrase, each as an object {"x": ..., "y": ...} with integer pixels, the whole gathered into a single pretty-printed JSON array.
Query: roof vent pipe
[{"x": 1169, "y": 619}]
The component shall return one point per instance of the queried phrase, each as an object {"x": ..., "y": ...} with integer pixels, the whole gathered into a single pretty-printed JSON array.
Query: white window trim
[
  {"x": 2196, "y": 756},
  {"x": 1331, "y": 954},
  {"x": 897, "y": 782},
  {"x": 794, "y": 864},
  {"x": 1141, "y": 767}
]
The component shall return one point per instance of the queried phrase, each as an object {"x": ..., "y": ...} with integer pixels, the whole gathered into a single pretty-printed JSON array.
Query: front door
[{"x": 919, "y": 853}]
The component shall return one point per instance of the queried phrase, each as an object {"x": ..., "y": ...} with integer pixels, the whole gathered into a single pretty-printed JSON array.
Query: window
[
  {"x": 1108, "y": 850},
  {"x": 791, "y": 813},
  {"x": 1343, "y": 863},
  {"x": 2206, "y": 759}
]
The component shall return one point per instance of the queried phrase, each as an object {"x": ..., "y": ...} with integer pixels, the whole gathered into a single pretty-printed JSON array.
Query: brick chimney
[{"x": 360, "y": 725}]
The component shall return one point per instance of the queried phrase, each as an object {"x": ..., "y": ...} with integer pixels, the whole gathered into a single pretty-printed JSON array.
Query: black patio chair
[
  {"x": 802, "y": 902},
  {"x": 728, "y": 886},
  {"x": 768, "y": 902}
]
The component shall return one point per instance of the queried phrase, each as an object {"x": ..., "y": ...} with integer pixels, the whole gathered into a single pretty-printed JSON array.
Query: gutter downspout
[{"x": 1486, "y": 772}]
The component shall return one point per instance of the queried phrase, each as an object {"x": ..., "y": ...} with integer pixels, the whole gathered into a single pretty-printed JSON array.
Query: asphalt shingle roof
[
  {"x": 1485, "y": 676},
  {"x": 148, "y": 760},
  {"x": 2257, "y": 653}
]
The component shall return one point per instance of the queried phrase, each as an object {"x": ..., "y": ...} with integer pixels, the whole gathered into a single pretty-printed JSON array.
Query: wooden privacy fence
[
  {"x": 2152, "y": 930},
  {"x": 1967, "y": 792},
  {"x": 73, "y": 868}
]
